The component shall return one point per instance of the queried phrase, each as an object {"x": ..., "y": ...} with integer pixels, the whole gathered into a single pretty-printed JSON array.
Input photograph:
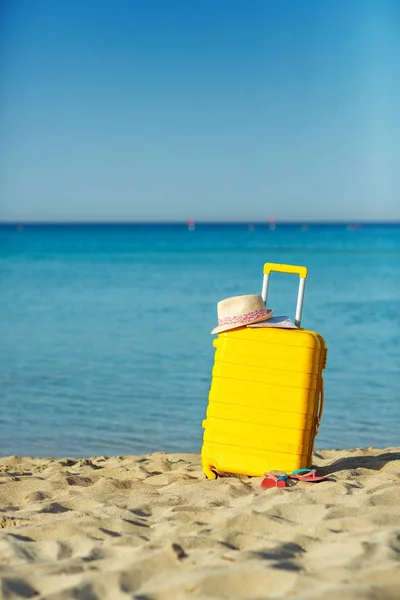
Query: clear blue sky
[{"x": 204, "y": 109}]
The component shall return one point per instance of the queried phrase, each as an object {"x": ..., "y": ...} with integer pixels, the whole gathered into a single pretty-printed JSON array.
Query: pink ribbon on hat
[{"x": 243, "y": 319}]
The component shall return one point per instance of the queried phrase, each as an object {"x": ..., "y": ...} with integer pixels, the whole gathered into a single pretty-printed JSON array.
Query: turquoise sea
[{"x": 105, "y": 330}]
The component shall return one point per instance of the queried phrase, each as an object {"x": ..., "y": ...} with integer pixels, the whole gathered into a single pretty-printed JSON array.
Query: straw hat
[{"x": 239, "y": 311}]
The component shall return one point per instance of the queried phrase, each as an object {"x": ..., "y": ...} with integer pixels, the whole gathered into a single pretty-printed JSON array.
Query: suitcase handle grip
[
  {"x": 300, "y": 271},
  {"x": 293, "y": 269}
]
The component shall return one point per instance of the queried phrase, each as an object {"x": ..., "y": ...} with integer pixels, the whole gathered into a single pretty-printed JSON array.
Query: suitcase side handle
[
  {"x": 320, "y": 407},
  {"x": 295, "y": 270}
]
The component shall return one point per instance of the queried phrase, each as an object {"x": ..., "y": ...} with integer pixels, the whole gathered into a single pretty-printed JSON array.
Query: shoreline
[{"x": 153, "y": 527}]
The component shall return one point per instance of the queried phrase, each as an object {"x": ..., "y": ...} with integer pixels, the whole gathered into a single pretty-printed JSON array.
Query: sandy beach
[{"x": 153, "y": 528}]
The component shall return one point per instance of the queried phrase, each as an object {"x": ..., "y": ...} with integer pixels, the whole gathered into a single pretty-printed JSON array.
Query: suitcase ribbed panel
[
  {"x": 287, "y": 378},
  {"x": 260, "y": 395},
  {"x": 263, "y": 401},
  {"x": 251, "y": 435},
  {"x": 272, "y": 356},
  {"x": 256, "y": 416}
]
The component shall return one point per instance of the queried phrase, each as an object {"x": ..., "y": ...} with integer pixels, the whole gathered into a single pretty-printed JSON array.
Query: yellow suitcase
[{"x": 266, "y": 396}]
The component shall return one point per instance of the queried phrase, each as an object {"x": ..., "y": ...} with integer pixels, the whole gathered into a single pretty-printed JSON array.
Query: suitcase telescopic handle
[{"x": 300, "y": 271}]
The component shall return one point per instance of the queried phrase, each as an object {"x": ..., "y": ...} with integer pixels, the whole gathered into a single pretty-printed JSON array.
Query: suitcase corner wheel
[{"x": 209, "y": 469}]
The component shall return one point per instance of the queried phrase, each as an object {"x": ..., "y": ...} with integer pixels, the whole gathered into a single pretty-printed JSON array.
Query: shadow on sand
[{"x": 375, "y": 463}]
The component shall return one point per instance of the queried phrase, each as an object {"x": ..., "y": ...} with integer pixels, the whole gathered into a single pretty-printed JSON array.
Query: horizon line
[{"x": 266, "y": 223}]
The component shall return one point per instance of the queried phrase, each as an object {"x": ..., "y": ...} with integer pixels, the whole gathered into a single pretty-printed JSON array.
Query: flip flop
[
  {"x": 271, "y": 481},
  {"x": 307, "y": 475}
]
